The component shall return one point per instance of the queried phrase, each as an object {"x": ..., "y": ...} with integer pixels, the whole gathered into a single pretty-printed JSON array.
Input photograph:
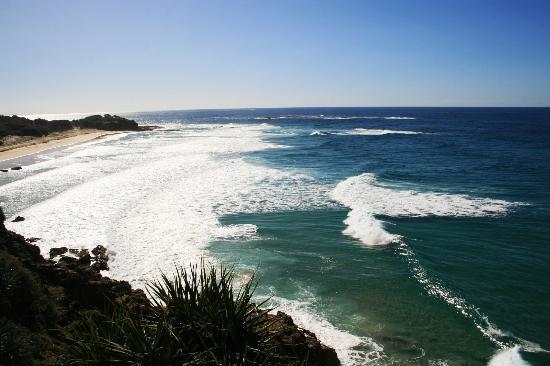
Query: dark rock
[
  {"x": 16, "y": 168},
  {"x": 32, "y": 240},
  {"x": 80, "y": 252},
  {"x": 4, "y": 170},
  {"x": 84, "y": 259},
  {"x": 68, "y": 260},
  {"x": 100, "y": 258},
  {"x": 2, "y": 219},
  {"x": 18, "y": 219},
  {"x": 300, "y": 343},
  {"x": 99, "y": 250},
  {"x": 73, "y": 287},
  {"x": 54, "y": 252}
]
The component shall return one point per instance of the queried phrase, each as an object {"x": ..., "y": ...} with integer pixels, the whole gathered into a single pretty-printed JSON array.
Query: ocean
[{"x": 400, "y": 236}]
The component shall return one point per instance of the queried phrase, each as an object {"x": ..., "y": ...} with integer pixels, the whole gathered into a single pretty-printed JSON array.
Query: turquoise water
[
  {"x": 456, "y": 288},
  {"x": 400, "y": 236}
]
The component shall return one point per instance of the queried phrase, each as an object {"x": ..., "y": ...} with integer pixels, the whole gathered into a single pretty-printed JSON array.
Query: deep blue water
[
  {"x": 456, "y": 288},
  {"x": 400, "y": 236}
]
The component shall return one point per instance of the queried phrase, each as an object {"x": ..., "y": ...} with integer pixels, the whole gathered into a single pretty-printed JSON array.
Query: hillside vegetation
[{"x": 21, "y": 126}]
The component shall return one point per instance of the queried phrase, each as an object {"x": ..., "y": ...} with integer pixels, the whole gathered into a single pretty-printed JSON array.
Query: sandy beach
[{"x": 35, "y": 145}]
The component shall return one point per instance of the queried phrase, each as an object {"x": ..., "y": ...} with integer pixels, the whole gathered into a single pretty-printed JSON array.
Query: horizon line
[{"x": 266, "y": 108}]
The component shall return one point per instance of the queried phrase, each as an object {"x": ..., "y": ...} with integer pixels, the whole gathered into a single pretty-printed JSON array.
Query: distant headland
[{"x": 21, "y": 136}]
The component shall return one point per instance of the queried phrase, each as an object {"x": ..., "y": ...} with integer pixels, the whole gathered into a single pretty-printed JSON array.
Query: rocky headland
[
  {"x": 41, "y": 298},
  {"x": 21, "y": 126}
]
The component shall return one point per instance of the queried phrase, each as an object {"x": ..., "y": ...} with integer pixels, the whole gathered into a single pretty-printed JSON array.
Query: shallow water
[{"x": 399, "y": 236}]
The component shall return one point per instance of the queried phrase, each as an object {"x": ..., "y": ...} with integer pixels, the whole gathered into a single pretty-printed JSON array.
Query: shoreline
[
  {"x": 60, "y": 293},
  {"x": 62, "y": 139}
]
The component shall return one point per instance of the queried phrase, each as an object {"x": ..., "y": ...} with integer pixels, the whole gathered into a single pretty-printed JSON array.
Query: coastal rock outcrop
[
  {"x": 18, "y": 219},
  {"x": 39, "y": 296},
  {"x": 297, "y": 341},
  {"x": 100, "y": 258},
  {"x": 21, "y": 126},
  {"x": 54, "y": 252},
  {"x": 97, "y": 260}
]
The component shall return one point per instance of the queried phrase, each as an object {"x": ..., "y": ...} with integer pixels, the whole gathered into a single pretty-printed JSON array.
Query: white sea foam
[
  {"x": 233, "y": 232},
  {"x": 364, "y": 132},
  {"x": 508, "y": 357},
  {"x": 367, "y": 198},
  {"x": 156, "y": 199},
  {"x": 323, "y": 117},
  {"x": 352, "y": 350},
  {"x": 321, "y": 133},
  {"x": 378, "y": 132}
]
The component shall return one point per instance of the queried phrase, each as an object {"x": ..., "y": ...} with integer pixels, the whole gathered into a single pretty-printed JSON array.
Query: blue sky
[{"x": 85, "y": 56}]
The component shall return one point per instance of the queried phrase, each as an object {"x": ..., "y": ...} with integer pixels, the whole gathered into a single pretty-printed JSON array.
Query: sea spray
[{"x": 367, "y": 198}]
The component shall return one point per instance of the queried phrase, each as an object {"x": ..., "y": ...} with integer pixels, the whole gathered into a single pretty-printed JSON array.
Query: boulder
[
  {"x": 54, "y": 252},
  {"x": 79, "y": 252},
  {"x": 17, "y": 168},
  {"x": 18, "y": 219},
  {"x": 100, "y": 258},
  {"x": 85, "y": 259},
  {"x": 299, "y": 342}
]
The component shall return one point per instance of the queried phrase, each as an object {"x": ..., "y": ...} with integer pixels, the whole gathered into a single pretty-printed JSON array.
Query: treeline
[{"x": 20, "y": 126}]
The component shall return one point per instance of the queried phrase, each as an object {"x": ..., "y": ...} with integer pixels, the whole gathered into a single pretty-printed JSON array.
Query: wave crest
[
  {"x": 364, "y": 132},
  {"x": 367, "y": 198}
]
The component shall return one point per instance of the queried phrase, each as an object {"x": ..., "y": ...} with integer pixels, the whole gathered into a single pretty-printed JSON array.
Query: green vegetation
[
  {"x": 67, "y": 313},
  {"x": 24, "y": 310},
  {"x": 20, "y": 126},
  {"x": 196, "y": 317}
]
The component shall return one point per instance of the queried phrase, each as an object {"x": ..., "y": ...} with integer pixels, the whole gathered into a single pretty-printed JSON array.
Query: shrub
[
  {"x": 196, "y": 317},
  {"x": 18, "y": 346},
  {"x": 21, "y": 297}
]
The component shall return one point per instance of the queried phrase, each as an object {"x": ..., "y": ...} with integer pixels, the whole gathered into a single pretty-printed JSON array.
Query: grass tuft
[{"x": 196, "y": 317}]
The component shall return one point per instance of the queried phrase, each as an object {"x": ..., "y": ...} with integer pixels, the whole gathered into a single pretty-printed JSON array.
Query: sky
[{"x": 62, "y": 56}]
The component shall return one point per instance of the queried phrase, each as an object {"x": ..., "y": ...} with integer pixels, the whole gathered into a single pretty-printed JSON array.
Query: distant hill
[{"x": 21, "y": 126}]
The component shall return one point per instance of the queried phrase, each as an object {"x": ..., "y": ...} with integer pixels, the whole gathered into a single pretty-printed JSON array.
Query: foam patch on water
[
  {"x": 154, "y": 201},
  {"x": 378, "y": 132},
  {"x": 352, "y": 350},
  {"x": 364, "y": 132},
  {"x": 367, "y": 198},
  {"x": 505, "y": 341},
  {"x": 508, "y": 357},
  {"x": 237, "y": 232},
  {"x": 323, "y": 117}
]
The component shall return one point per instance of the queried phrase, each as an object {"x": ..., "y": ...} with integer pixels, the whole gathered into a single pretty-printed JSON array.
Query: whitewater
[
  {"x": 158, "y": 199},
  {"x": 154, "y": 203}
]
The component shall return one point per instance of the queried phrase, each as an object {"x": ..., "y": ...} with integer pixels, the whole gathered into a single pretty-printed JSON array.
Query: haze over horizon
[{"x": 91, "y": 56}]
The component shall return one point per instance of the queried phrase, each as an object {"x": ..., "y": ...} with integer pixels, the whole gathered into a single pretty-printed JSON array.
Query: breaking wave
[
  {"x": 323, "y": 117},
  {"x": 364, "y": 132},
  {"x": 352, "y": 350},
  {"x": 168, "y": 188},
  {"x": 367, "y": 198}
]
